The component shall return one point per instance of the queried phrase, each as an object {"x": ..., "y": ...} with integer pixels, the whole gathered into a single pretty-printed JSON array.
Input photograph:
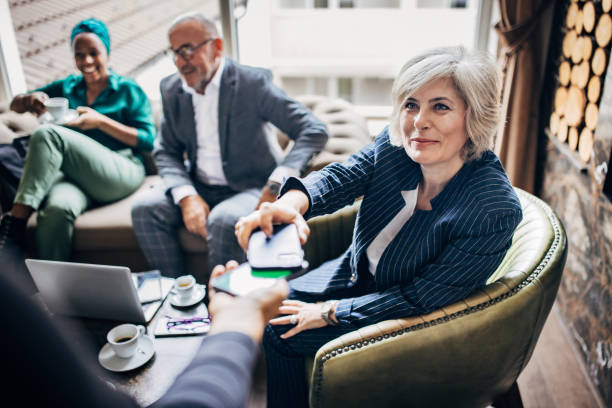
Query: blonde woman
[{"x": 437, "y": 217}]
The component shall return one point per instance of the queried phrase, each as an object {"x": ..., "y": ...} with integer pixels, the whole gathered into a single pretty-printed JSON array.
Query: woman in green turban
[{"x": 89, "y": 155}]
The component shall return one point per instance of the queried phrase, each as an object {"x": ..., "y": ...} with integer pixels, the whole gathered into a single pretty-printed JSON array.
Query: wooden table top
[{"x": 172, "y": 354}]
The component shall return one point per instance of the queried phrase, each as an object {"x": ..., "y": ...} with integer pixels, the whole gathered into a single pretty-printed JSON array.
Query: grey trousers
[{"x": 156, "y": 221}]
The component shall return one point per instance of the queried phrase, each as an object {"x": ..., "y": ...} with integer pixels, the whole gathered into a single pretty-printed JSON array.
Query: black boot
[
  {"x": 12, "y": 239},
  {"x": 12, "y": 231}
]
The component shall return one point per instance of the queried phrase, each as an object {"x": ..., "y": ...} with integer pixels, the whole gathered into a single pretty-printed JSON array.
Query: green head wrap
[{"x": 94, "y": 26}]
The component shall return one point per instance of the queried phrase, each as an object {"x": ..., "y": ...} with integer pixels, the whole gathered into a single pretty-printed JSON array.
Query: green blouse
[{"x": 123, "y": 100}]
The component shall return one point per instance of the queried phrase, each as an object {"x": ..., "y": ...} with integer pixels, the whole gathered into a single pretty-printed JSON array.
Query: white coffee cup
[
  {"x": 183, "y": 285},
  {"x": 124, "y": 339},
  {"x": 57, "y": 107}
]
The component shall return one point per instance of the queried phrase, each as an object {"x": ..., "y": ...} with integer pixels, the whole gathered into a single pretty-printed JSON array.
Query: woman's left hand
[
  {"x": 304, "y": 315},
  {"x": 88, "y": 119}
]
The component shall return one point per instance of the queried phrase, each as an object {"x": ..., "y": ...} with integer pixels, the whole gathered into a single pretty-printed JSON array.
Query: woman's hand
[
  {"x": 304, "y": 315},
  {"x": 32, "y": 102},
  {"x": 286, "y": 210},
  {"x": 245, "y": 314},
  {"x": 88, "y": 119}
]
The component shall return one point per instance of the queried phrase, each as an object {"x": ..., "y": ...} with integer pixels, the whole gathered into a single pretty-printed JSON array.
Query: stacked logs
[{"x": 580, "y": 76}]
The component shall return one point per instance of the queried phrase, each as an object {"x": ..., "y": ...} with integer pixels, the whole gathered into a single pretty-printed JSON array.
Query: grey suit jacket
[{"x": 248, "y": 102}]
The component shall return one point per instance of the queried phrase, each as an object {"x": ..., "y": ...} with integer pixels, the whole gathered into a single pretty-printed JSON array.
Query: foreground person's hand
[{"x": 245, "y": 314}]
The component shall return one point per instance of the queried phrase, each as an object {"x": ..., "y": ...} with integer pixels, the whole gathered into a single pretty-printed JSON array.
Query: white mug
[
  {"x": 183, "y": 285},
  {"x": 57, "y": 107},
  {"x": 124, "y": 339}
]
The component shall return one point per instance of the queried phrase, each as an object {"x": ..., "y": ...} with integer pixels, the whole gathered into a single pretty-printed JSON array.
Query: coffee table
[{"x": 149, "y": 382}]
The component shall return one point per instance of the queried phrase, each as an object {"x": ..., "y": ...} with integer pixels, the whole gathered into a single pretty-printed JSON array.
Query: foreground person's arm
[
  {"x": 221, "y": 371},
  {"x": 43, "y": 361}
]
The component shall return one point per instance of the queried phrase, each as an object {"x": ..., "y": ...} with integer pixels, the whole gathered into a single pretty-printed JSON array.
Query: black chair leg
[{"x": 510, "y": 399}]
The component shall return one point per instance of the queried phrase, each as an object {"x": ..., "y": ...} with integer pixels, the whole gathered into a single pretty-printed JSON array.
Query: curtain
[{"x": 523, "y": 40}]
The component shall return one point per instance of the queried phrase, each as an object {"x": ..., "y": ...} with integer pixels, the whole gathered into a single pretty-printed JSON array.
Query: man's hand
[
  {"x": 247, "y": 314},
  {"x": 266, "y": 197},
  {"x": 195, "y": 214}
]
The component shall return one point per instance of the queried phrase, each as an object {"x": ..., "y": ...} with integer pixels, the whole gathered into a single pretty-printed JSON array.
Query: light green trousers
[{"x": 65, "y": 173}]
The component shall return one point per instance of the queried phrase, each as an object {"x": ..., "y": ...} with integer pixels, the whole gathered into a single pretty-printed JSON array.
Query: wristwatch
[
  {"x": 326, "y": 309},
  {"x": 273, "y": 187}
]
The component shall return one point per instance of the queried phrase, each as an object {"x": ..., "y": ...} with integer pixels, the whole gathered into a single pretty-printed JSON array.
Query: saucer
[
  {"x": 109, "y": 360},
  {"x": 196, "y": 297},
  {"x": 70, "y": 115}
]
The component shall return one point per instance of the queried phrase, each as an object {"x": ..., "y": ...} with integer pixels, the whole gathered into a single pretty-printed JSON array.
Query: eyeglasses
[
  {"x": 187, "y": 51},
  {"x": 186, "y": 324}
]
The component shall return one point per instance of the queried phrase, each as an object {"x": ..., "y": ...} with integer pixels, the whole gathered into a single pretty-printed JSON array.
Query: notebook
[{"x": 99, "y": 291}]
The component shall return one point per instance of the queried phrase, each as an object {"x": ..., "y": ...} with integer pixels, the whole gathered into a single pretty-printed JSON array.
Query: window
[
  {"x": 290, "y": 4},
  {"x": 352, "y": 49},
  {"x": 138, "y": 36},
  {"x": 369, "y": 3},
  {"x": 295, "y": 86},
  {"x": 345, "y": 89},
  {"x": 442, "y": 3}
]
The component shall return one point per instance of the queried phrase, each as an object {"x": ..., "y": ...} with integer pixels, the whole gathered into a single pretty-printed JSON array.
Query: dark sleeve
[
  {"x": 308, "y": 133},
  {"x": 337, "y": 185},
  {"x": 463, "y": 266},
  {"x": 169, "y": 151},
  {"x": 219, "y": 375},
  {"x": 42, "y": 368}
]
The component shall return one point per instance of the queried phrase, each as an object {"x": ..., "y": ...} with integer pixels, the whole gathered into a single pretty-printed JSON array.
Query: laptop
[{"x": 99, "y": 291}]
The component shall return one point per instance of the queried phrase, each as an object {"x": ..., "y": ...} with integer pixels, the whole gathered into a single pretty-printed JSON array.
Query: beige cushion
[
  {"x": 13, "y": 125},
  {"x": 348, "y": 131},
  {"x": 110, "y": 226},
  {"x": 105, "y": 227}
]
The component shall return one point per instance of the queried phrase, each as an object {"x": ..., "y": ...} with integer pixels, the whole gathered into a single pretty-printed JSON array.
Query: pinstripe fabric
[{"x": 438, "y": 257}]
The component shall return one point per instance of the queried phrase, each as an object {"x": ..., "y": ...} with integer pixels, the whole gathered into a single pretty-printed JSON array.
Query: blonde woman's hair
[{"x": 477, "y": 81}]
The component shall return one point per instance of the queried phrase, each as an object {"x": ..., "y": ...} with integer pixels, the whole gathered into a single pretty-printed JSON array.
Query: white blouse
[{"x": 386, "y": 235}]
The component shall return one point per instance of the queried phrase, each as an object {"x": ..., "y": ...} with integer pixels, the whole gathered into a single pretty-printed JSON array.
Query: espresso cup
[
  {"x": 124, "y": 339},
  {"x": 183, "y": 285},
  {"x": 57, "y": 107}
]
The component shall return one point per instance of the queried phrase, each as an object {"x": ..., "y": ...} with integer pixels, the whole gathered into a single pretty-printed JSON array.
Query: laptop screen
[{"x": 94, "y": 291}]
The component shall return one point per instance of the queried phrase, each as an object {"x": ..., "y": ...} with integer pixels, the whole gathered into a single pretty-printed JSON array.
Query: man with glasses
[{"x": 217, "y": 113}]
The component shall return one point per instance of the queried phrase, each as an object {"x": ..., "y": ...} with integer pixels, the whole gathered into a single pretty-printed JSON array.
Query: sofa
[{"x": 104, "y": 234}]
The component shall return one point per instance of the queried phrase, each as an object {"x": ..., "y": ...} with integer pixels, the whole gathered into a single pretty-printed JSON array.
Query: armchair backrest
[{"x": 465, "y": 354}]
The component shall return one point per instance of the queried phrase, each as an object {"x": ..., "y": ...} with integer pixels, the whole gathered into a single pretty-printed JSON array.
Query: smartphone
[
  {"x": 280, "y": 252},
  {"x": 244, "y": 279}
]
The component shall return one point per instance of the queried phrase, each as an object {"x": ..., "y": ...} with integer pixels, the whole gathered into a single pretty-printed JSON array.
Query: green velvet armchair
[{"x": 468, "y": 354}]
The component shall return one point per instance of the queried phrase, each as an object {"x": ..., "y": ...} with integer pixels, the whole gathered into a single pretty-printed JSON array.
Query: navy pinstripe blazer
[{"x": 438, "y": 257}]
